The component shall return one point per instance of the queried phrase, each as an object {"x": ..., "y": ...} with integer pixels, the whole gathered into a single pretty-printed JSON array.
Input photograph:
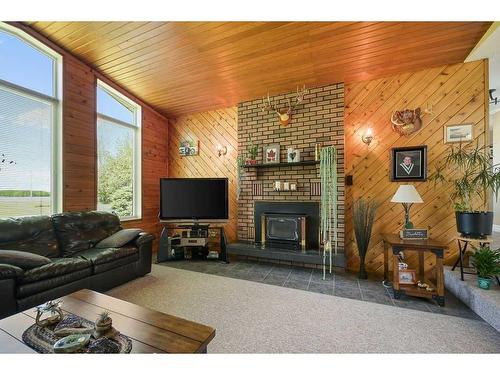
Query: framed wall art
[
  {"x": 458, "y": 133},
  {"x": 189, "y": 148},
  {"x": 271, "y": 153},
  {"x": 409, "y": 163}
]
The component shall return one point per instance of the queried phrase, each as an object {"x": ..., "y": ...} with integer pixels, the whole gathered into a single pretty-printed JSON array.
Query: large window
[
  {"x": 30, "y": 132},
  {"x": 118, "y": 153}
]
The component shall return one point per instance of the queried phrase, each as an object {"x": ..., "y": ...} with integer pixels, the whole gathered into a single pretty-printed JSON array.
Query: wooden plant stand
[{"x": 421, "y": 246}]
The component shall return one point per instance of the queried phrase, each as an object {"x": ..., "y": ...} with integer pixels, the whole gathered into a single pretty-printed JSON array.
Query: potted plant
[
  {"x": 472, "y": 179},
  {"x": 363, "y": 217},
  {"x": 239, "y": 173},
  {"x": 487, "y": 264},
  {"x": 103, "y": 322},
  {"x": 252, "y": 150}
]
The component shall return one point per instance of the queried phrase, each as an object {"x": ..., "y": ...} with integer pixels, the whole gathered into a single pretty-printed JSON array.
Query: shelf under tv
[{"x": 277, "y": 165}]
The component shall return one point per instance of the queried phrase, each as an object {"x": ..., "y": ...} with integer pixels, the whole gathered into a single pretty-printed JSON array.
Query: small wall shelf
[{"x": 277, "y": 165}]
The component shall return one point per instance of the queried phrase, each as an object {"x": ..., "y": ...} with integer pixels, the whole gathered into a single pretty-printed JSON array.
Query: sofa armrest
[
  {"x": 8, "y": 271},
  {"x": 144, "y": 244},
  {"x": 143, "y": 239},
  {"x": 8, "y": 276}
]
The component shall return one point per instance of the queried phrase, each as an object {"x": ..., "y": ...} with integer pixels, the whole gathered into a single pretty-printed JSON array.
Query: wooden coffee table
[{"x": 149, "y": 330}]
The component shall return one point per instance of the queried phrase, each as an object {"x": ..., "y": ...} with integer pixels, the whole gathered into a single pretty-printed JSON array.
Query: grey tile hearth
[{"x": 339, "y": 284}]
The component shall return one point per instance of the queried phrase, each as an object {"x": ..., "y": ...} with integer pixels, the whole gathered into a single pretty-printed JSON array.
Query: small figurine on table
[
  {"x": 104, "y": 326},
  {"x": 52, "y": 307}
]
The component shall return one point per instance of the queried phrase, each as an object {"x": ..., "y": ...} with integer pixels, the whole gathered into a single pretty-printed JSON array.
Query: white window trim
[
  {"x": 56, "y": 194},
  {"x": 137, "y": 127}
]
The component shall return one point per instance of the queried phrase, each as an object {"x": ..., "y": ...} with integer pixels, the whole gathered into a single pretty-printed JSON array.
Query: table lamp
[{"x": 407, "y": 195}]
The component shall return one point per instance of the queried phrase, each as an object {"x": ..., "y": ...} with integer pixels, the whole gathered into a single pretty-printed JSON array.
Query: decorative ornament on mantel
[
  {"x": 284, "y": 115},
  {"x": 408, "y": 121}
]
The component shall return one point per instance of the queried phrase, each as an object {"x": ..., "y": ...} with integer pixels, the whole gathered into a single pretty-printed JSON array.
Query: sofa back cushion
[
  {"x": 77, "y": 231},
  {"x": 33, "y": 234}
]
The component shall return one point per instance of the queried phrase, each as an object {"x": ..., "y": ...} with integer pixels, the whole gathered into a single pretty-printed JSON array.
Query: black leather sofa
[{"x": 69, "y": 240}]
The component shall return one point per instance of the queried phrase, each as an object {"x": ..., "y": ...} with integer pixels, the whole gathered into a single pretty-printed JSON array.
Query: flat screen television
[{"x": 193, "y": 199}]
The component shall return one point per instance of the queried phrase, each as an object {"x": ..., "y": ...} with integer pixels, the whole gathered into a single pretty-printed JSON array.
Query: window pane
[
  {"x": 109, "y": 106},
  {"x": 25, "y": 155},
  {"x": 115, "y": 157},
  {"x": 25, "y": 66}
]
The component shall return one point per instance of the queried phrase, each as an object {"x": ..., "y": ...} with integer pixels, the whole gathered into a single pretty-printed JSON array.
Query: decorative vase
[
  {"x": 484, "y": 282},
  {"x": 104, "y": 325},
  {"x": 362, "y": 270}
]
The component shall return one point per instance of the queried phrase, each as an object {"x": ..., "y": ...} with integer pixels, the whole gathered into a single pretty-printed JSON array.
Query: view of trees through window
[{"x": 116, "y": 140}]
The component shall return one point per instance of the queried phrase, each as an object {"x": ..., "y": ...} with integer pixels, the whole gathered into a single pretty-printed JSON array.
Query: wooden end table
[
  {"x": 421, "y": 246},
  {"x": 150, "y": 331}
]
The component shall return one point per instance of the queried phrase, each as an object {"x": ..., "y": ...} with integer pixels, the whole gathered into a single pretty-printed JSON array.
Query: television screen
[{"x": 193, "y": 199}]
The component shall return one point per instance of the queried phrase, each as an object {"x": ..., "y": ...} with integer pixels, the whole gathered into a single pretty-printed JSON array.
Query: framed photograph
[
  {"x": 189, "y": 148},
  {"x": 458, "y": 133},
  {"x": 271, "y": 154},
  {"x": 292, "y": 155},
  {"x": 407, "y": 277},
  {"x": 409, "y": 163}
]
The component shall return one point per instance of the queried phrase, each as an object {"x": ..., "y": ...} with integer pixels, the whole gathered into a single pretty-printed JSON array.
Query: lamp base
[{"x": 408, "y": 225}]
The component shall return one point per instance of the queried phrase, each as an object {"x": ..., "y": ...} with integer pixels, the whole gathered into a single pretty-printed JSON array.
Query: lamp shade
[{"x": 407, "y": 194}]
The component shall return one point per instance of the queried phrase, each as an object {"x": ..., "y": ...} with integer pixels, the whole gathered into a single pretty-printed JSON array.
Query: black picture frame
[{"x": 415, "y": 170}]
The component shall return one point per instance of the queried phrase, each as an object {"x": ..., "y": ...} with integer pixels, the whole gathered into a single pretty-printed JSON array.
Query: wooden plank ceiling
[{"x": 187, "y": 67}]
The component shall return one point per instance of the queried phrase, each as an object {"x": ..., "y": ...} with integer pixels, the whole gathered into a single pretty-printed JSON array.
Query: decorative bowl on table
[{"x": 71, "y": 343}]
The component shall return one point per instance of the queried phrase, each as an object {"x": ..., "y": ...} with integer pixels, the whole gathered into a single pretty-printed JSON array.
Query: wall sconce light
[
  {"x": 221, "y": 150},
  {"x": 367, "y": 136}
]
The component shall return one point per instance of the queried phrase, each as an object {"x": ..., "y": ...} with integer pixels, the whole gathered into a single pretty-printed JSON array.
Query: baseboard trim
[{"x": 496, "y": 228}]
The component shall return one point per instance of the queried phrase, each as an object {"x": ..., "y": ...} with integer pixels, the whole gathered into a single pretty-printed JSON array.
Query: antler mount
[{"x": 284, "y": 114}]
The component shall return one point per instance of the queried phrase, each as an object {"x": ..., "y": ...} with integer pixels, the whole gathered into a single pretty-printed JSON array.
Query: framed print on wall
[
  {"x": 409, "y": 163},
  {"x": 271, "y": 154},
  {"x": 458, "y": 133},
  {"x": 189, "y": 148}
]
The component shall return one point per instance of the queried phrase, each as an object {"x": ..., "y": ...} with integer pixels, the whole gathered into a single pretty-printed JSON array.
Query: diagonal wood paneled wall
[
  {"x": 457, "y": 94},
  {"x": 211, "y": 129}
]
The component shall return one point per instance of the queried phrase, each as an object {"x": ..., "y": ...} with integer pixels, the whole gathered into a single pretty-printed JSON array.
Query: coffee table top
[{"x": 150, "y": 331}]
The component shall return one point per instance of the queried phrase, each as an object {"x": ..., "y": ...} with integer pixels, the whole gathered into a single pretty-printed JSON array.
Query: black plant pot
[
  {"x": 474, "y": 224},
  {"x": 362, "y": 271}
]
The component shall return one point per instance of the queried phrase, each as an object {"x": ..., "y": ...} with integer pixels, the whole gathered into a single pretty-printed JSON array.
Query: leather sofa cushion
[
  {"x": 100, "y": 256},
  {"x": 58, "y": 267},
  {"x": 77, "y": 231},
  {"x": 119, "y": 239},
  {"x": 106, "y": 259},
  {"x": 33, "y": 234},
  {"x": 22, "y": 259},
  {"x": 25, "y": 290},
  {"x": 103, "y": 267}
]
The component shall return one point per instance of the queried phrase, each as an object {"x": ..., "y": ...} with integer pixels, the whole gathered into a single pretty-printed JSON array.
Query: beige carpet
[{"x": 252, "y": 317}]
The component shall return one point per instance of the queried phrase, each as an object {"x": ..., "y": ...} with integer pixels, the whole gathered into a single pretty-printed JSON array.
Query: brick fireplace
[{"x": 319, "y": 120}]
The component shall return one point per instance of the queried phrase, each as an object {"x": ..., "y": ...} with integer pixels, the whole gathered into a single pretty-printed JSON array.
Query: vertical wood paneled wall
[
  {"x": 211, "y": 129},
  {"x": 457, "y": 95},
  {"x": 79, "y": 141},
  {"x": 79, "y": 137},
  {"x": 155, "y": 134}
]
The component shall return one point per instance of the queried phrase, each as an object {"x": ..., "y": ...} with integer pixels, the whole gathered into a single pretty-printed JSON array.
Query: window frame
[
  {"x": 136, "y": 109},
  {"x": 56, "y": 181}
]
